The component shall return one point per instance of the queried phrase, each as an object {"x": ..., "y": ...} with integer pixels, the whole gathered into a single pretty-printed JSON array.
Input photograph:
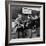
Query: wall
[{"x": 3, "y": 24}]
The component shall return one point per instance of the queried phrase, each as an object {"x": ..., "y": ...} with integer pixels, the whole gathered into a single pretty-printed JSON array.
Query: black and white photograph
[{"x": 25, "y": 22}]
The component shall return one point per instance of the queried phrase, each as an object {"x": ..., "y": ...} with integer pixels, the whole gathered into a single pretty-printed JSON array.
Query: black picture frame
[{"x": 6, "y": 37}]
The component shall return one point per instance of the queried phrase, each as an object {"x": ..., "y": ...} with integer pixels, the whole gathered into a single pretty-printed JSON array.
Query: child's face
[
  {"x": 19, "y": 15},
  {"x": 28, "y": 17}
]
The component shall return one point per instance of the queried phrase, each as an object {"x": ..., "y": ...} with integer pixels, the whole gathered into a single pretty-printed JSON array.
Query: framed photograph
[{"x": 25, "y": 22}]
